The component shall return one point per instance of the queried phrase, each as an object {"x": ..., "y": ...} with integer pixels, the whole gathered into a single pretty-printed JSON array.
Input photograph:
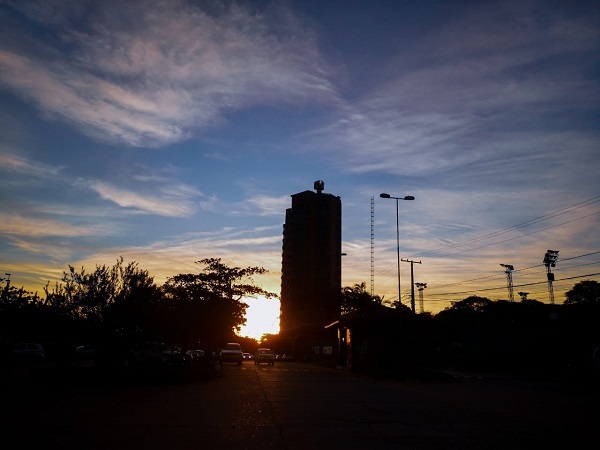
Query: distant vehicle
[
  {"x": 85, "y": 356},
  {"x": 195, "y": 354},
  {"x": 264, "y": 355},
  {"x": 247, "y": 356},
  {"x": 158, "y": 353},
  {"x": 29, "y": 352},
  {"x": 232, "y": 352},
  {"x": 85, "y": 351},
  {"x": 148, "y": 353},
  {"x": 173, "y": 356}
]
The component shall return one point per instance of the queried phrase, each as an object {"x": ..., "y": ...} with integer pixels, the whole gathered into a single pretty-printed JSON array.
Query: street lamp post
[{"x": 408, "y": 197}]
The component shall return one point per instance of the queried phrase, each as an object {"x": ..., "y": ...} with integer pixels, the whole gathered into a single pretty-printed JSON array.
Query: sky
[{"x": 175, "y": 130}]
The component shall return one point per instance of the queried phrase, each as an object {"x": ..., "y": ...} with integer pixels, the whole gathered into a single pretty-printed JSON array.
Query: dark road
[{"x": 296, "y": 406}]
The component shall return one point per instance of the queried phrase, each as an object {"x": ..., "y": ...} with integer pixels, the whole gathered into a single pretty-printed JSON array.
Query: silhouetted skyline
[{"x": 175, "y": 131}]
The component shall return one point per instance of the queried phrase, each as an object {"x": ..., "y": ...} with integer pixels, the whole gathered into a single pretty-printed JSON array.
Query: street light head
[
  {"x": 384, "y": 195},
  {"x": 409, "y": 197}
]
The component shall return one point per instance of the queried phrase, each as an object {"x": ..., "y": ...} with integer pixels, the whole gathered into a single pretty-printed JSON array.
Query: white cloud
[
  {"x": 259, "y": 247},
  {"x": 265, "y": 205},
  {"x": 14, "y": 163},
  {"x": 13, "y": 224},
  {"x": 176, "y": 202},
  {"x": 471, "y": 98},
  {"x": 175, "y": 68}
]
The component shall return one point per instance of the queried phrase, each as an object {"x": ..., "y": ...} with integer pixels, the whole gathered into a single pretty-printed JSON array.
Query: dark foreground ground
[{"x": 293, "y": 406}]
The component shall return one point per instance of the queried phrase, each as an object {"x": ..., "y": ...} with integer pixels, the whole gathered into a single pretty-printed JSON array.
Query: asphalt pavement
[{"x": 292, "y": 406}]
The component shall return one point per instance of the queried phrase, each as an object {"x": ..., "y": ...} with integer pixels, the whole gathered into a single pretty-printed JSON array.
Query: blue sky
[{"x": 171, "y": 131}]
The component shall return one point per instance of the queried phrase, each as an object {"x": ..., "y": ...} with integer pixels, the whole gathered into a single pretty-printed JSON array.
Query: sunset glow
[
  {"x": 262, "y": 317},
  {"x": 181, "y": 135}
]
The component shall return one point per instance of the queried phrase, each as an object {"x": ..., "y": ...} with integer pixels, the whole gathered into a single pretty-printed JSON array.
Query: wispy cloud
[
  {"x": 177, "y": 67},
  {"x": 176, "y": 201},
  {"x": 12, "y": 224},
  {"x": 216, "y": 156},
  {"x": 265, "y": 205},
  {"x": 18, "y": 164},
  {"x": 170, "y": 256},
  {"x": 472, "y": 96}
]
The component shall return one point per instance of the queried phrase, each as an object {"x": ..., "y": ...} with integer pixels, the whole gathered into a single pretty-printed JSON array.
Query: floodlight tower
[
  {"x": 550, "y": 259},
  {"x": 509, "y": 268},
  {"x": 523, "y": 295},
  {"x": 420, "y": 287}
]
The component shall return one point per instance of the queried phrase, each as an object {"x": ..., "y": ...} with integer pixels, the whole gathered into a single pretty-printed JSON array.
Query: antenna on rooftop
[{"x": 319, "y": 186}]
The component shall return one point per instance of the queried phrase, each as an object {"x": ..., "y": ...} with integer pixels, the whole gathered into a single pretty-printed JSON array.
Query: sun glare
[{"x": 262, "y": 317}]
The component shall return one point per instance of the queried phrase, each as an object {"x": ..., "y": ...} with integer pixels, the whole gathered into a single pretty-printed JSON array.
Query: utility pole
[
  {"x": 523, "y": 295},
  {"x": 412, "y": 282}
]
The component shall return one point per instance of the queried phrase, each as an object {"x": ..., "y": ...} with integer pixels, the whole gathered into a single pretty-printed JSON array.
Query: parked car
[
  {"x": 264, "y": 355},
  {"x": 28, "y": 352},
  {"x": 85, "y": 351},
  {"x": 232, "y": 352},
  {"x": 85, "y": 356},
  {"x": 195, "y": 354},
  {"x": 173, "y": 356},
  {"x": 157, "y": 353}
]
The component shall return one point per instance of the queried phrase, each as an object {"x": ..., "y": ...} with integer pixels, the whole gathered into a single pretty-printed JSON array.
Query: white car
[
  {"x": 232, "y": 352},
  {"x": 264, "y": 355}
]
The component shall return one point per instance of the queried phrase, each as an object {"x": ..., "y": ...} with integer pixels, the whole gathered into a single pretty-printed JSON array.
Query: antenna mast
[{"x": 372, "y": 246}]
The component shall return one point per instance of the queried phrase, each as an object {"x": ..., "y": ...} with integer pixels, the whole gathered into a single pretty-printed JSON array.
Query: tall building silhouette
[{"x": 311, "y": 274}]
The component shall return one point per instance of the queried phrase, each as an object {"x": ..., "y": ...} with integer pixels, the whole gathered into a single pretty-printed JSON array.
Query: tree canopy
[
  {"x": 356, "y": 297},
  {"x": 584, "y": 292},
  {"x": 209, "y": 306},
  {"x": 122, "y": 301}
]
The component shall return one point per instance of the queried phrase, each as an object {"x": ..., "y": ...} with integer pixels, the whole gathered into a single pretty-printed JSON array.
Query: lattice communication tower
[{"x": 372, "y": 246}]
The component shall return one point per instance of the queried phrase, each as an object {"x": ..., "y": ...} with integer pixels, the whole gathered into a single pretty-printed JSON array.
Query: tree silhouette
[
  {"x": 356, "y": 297},
  {"x": 208, "y": 306},
  {"x": 584, "y": 292}
]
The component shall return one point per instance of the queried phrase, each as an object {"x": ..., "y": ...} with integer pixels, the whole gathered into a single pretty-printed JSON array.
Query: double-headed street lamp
[{"x": 408, "y": 197}]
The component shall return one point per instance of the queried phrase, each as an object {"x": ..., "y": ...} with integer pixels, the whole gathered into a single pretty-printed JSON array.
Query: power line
[
  {"x": 487, "y": 277},
  {"x": 521, "y": 225},
  {"x": 521, "y": 236},
  {"x": 516, "y": 285},
  {"x": 568, "y": 209}
]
